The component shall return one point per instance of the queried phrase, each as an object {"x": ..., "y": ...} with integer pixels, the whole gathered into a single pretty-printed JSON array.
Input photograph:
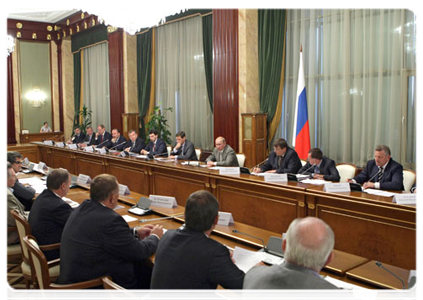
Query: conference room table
[{"x": 345, "y": 267}]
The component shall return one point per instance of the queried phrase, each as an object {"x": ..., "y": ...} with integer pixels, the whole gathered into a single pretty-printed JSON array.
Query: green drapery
[
  {"x": 271, "y": 38},
  {"x": 144, "y": 59},
  {"x": 208, "y": 55},
  {"x": 91, "y": 36},
  {"x": 77, "y": 85}
]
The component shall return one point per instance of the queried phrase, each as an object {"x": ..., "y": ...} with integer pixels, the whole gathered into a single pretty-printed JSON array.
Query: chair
[
  {"x": 14, "y": 249},
  {"x": 346, "y": 171},
  {"x": 241, "y": 159},
  {"x": 24, "y": 229},
  {"x": 114, "y": 291},
  {"x": 169, "y": 149},
  {"x": 42, "y": 267},
  {"x": 409, "y": 179},
  {"x": 303, "y": 162},
  {"x": 198, "y": 152}
]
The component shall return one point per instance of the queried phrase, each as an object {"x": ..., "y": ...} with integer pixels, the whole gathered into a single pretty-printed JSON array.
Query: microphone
[
  {"x": 102, "y": 143},
  {"x": 254, "y": 237},
  {"x": 158, "y": 219},
  {"x": 308, "y": 169},
  {"x": 259, "y": 164},
  {"x": 161, "y": 154},
  {"x": 379, "y": 264},
  {"x": 117, "y": 145},
  {"x": 373, "y": 177}
]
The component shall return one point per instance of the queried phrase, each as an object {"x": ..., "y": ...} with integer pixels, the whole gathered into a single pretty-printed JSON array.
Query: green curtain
[
  {"x": 144, "y": 57},
  {"x": 77, "y": 85},
  {"x": 271, "y": 36},
  {"x": 208, "y": 55},
  {"x": 88, "y": 37}
]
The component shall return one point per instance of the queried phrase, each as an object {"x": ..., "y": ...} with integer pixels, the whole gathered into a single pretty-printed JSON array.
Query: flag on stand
[{"x": 301, "y": 137}]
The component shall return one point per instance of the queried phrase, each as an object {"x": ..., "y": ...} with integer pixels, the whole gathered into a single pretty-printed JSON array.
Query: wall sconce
[{"x": 36, "y": 97}]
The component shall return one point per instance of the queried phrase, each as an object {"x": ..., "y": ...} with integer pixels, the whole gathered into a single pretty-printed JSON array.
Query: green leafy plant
[
  {"x": 85, "y": 113},
  {"x": 158, "y": 122}
]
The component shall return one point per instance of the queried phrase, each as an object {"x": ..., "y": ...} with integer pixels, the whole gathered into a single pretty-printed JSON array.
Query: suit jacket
[
  {"x": 188, "y": 152},
  {"x": 47, "y": 219},
  {"x": 159, "y": 149},
  {"x": 97, "y": 241},
  {"x": 139, "y": 145},
  {"x": 24, "y": 194},
  {"x": 284, "y": 276},
  {"x": 392, "y": 178},
  {"x": 327, "y": 169},
  {"x": 290, "y": 163},
  {"x": 13, "y": 203},
  {"x": 89, "y": 139},
  {"x": 227, "y": 157},
  {"x": 120, "y": 140},
  {"x": 78, "y": 139},
  {"x": 106, "y": 137},
  {"x": 190, "y": 260}
]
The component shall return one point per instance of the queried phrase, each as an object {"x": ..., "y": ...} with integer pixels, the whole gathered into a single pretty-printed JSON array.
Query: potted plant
[
  {"x": 85, "y": 115},
  {"x": 158, "y": 121}
]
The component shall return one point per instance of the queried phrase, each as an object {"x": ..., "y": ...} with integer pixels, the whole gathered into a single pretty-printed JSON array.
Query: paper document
[
  {"x": 128, "y": 218},
  {"x": 314, "y": 181},
  {"x": 32, "y": 181},
  {"x": 359, "y": 292},
  {"x": 258, "y": 174},
  {"x": 164, "y": 159},
  {"x": 142, "y": 156},
  {"x": 72, "y": 203},
  {"x": 379, "y": 192},
  {"x": 39, "y": 188},
  {"x": 246, "y": 259}
]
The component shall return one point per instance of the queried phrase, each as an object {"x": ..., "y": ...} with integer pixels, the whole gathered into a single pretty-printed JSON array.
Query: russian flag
[{"x": 301, "y": 137}]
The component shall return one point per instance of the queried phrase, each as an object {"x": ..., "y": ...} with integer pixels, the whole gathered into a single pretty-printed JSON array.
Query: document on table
[
  {"x": 72, "y": 203},
  {"x": 142, "y": 156},
  {"x": 128, "y": 218},
  {"x": 359, "y": 292},
  {"x": 246, "y": 259},
  {"x": 39, "y": 188},
  {"x": 379, "y": 192},
  {"x": 32, "y": 181},
  {"x": 314, "y": 181}
]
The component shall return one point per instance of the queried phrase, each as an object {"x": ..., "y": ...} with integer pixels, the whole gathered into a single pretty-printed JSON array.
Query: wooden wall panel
[
  {"x": 116, "y": 79},
  {"x": 11, "y": 134},
  {"x": 225, "y": 76}
]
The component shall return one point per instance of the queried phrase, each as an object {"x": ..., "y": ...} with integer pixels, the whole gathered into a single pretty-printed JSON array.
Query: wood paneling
[
  {"x": 225, "y": 76},
  {"x": 116, "y": 79},
  {"x": 11, "y": 130},
  {"x": 60, "y": 85},
  {"x": 41, "y": 136}
]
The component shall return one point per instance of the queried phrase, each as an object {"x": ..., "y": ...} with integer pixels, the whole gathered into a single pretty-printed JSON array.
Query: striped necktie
[{"x": 380, "y": 174}]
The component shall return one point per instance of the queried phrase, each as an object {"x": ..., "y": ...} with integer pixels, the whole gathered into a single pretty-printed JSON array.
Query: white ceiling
[{"x": 41, "y": 15}]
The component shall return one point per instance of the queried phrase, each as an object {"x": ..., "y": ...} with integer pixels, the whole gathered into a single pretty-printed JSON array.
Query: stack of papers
[
  {"x": 72, "y": 203},
  {"x": 314, "y": 181},
  {"x": 35, "y": 182},
  {"x": 379, "y": 192},
  {"x": 246, "y": 259}
]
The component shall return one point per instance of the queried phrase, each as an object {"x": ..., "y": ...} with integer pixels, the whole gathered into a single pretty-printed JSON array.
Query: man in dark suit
[
  {"x": 89, "y": 138},
  {"x": 156, "y": 146},
  {"x": 382, "y": 172},
  {"x": 78, "y": 136},
  {"x": 50, "y": 212},
  {"x": 102, "y": 137},
  {"x": 308, "y": 247},
  {"x": 118, "y": 141},
  {"x": 97, "y": 241},
  {"x": 282, "y": 159},
  {"x": 320, "y": 167},
  {"x": 25, "y": 195},
  {"x": 135, "y": 144},
  {"x": 183, "y": 149},
  {"x": 222, "y": 154},
  {"x": 188, "y": 259}
]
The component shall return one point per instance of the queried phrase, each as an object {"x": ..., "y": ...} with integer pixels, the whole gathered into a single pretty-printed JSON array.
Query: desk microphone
[
  {"x": 259, "y": 164},
  {"x": 308, "y": 169},
  {"x": 102, "y": 143},
  {"x": 254, "y": 237},
  {"x": 161, "y": 154},
  {"x": 159, "y": 219},
  {"x": 373, "y": 176},
  {"x": 379, "y": 264},
  {"x": 117, "y": 145}
]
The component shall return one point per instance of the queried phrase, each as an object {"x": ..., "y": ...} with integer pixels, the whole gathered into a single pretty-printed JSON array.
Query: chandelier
[{"x": 9, "y": 44}]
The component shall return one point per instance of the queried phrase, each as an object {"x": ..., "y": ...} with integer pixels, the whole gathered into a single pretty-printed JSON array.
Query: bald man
[
  {"x": 222, "y": 155},
  {"x": 308, "y": 247}
]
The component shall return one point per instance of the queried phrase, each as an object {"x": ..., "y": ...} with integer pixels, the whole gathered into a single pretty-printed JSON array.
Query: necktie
[
  {"x": 380, "y": 174},
  {"x": 280, "y": 161},
  {"x": 101, "y": 138},
  {"x": 317, "y": 169},
  {"x": 183, "y": 148},
  {"x": 133, "y": 145},
  {"x": 154, "y": 147}
]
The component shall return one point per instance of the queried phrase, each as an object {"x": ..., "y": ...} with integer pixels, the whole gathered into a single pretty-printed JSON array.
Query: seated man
[
  {"x": 78, "y": 137},
  {"x": 97, "y": 241},
  {"x": 118, "y": 141},
  {"x": 382, "y": 172},
  {"x": 89, "y": 138},
  {"x": 188, "y": 259},
  {"x": 12, "y": 204},
  {"x": 282, "y": 159},
  {"x": 135, "y": 144},
  {"x": 222, "y": 155},
  {"x": 25, "y": 194},
  {"x": 183, "y": 149},
  {"x": 156, "y": 146},
  {"x": 49, "y": 213},
  {"x": 102, "y": 137},
  {"x": 319, "y": 166},
  {"x": 307, "y": 248}
]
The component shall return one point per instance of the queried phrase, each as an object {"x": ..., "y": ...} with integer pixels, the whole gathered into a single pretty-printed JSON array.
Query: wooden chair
[
  {"x": 42, "y": 267},
  {"x": 346, "y": 171},
  {"x": 241, "y": 159},
  {"x": 409, "y": 179},
  {"x": 114, "y": 291},
  {"x": 14, "y": 251},
  {"x": 24, "y": 229}
]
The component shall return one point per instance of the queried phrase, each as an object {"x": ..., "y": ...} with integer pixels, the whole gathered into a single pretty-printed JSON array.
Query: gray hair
[
  {"x": 309, "y": 242},
  {"x": 383, "y": 148}
]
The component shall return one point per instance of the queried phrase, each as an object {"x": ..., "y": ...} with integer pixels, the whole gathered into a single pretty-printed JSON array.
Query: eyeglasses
[{"x": 18, "y": 162}]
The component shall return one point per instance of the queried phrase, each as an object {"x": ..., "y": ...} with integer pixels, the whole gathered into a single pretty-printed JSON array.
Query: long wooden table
[{"x": 365, "y": 225}]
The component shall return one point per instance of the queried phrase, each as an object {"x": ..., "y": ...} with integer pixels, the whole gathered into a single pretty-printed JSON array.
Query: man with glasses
[{"x": 24, "y": 194}]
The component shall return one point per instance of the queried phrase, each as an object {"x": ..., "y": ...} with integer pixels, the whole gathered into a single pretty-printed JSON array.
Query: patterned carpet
[{"x": 14, "y": 274}]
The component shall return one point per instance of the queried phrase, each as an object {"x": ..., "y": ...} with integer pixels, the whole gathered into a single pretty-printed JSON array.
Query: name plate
[
  {"x": 72, "y": 146},
  {"x": 83, "y": 179},
  {"x": 41, "y": 166},
  {"x": 60, "y": 144},
  {"x": 123, "y": 189},
  {"x": 102, "y": 150},
  {"x": 88, "y": 149},
  {"x": 337, "y": 187},
  {"x": 273, "y": 177},
  {"x": 405, "y": 198},
  {"x": 225, "y": 218},
  {"x": 26, "y": 161},
  {"x": 48, "y": 143},
  {"x": 229, "y": 171},
  {"x": 163, "y": 201}
]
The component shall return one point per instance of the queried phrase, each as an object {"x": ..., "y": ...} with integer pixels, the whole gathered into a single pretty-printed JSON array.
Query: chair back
[
  {"x": 38, "y": 261},
  {"x": 114, "y": 291},
  {"x": 24, "y": 229},
  {"x": 303, "y": 162},
  {"x": 241, "y": 159},
  {"x": 346, "y": 171},
  {"x": 169, "y": 149},
  {"x": 409, "y": 179},
  {"x": 198, "y": 153}
]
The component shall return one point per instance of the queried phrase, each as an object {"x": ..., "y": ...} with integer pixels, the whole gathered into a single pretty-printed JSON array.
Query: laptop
[{"x": 142, "y": 208}]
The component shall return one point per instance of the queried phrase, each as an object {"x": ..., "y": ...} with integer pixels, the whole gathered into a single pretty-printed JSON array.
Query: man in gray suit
[
  {"x": 183, "y": 149},
  {"x": 222, "y": 155},
  {"x": 308, "y": 247}
]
